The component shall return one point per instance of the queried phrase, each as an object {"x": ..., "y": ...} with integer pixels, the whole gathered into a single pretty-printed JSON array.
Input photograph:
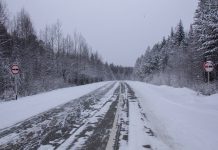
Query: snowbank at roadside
[
  {"x": 180, "y": 118},
  {"x": 15, "y": 111}
]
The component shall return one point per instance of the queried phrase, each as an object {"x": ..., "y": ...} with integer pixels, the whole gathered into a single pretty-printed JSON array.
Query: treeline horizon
[
  {"x": 49, "y": 61},
  {"x": 178, "y": 59}
]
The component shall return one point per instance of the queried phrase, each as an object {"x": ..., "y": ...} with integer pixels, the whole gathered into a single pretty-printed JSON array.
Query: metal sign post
[
  {"x": 16, "y": 86},
  {"x": 15, "y": 71},
  {"x": 208, "y": 66}
]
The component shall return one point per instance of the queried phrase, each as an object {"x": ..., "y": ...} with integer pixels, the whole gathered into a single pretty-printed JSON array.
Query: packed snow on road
[{"x": 111, "y": 115}]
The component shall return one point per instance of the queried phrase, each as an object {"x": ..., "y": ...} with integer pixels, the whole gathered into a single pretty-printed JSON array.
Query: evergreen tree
[{"x": 180, "y": 34}]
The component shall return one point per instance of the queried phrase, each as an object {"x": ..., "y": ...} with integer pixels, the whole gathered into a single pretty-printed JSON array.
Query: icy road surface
[{"x": 111, "y": 115}]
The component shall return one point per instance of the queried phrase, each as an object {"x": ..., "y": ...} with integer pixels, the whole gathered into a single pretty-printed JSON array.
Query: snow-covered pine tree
[{"x": 179, "y": 34}]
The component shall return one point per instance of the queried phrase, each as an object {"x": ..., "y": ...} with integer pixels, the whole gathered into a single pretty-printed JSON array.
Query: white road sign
[
  {"x": 15, "y": 69},
  {"x": 208, "y": 66}
]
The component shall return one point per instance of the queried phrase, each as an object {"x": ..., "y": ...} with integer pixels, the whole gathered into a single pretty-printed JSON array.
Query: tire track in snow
[
  {"x": 131, "y": 128},
  {"x": 93, "y": 134},
  {"x": 51, "y": 128},
  {"x": 141, "y": 134},
  {"x": 119, "y": 132}
]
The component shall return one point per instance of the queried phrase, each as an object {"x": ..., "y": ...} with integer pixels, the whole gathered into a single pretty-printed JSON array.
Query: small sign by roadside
[
  {"x": 208, "y": 66},
  {"x": 15, "y": 71}
]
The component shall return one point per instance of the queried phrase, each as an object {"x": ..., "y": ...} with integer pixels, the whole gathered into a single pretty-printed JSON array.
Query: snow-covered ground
[
  {"x": 149, "y": 116},
  {"x": 15, "y": 111},
  {"x": 179, "y": 117}
]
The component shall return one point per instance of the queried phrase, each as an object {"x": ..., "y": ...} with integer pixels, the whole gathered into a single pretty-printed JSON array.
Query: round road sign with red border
[
  {"x": 15, "y": 69},
  {"x": 208, "y": 66}
]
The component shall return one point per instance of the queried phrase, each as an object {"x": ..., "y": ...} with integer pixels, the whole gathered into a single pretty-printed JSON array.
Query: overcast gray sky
[{"x": 120, "y": 30}]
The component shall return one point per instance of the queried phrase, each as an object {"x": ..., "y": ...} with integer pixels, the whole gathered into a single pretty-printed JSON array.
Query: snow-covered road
[{"x": 112, "y": 115}]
